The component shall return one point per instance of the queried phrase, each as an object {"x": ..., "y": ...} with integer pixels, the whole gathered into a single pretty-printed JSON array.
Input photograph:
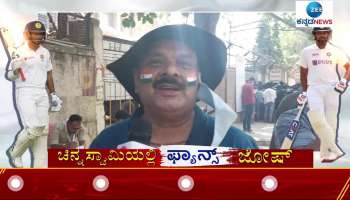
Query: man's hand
[
  {"x": 16, "y": 71},
  {"x": 19, "y": 73},
  {"x": 73, "y": 145},
  {"x": 58, "y": 146},
  {"x": 56, "y": 102},
  {"x": 302, "y": 99},
  {"x": 14, "y": 74},
  {"x": 18, "y": 63},
  {"x": 341, "y": 86}
]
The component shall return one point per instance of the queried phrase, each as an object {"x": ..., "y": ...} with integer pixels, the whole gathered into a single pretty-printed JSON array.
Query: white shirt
[
  {"x": 34, "y": 64},
  {"x": 269, "y": 95},
  {"x": 321, "y": 64}
]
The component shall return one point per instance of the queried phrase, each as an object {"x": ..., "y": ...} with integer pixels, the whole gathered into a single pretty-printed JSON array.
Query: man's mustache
[
  {"x": 181, "y": 85},
  {"x": 323, "y": 37}
]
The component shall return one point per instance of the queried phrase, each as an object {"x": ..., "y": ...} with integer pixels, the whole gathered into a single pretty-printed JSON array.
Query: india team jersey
[
  {"x": 34, "y": 64},
  {"x": 321, "y": 64}
]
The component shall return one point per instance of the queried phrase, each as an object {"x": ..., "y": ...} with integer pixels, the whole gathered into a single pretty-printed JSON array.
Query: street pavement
[{"x": 261, "y": 132}]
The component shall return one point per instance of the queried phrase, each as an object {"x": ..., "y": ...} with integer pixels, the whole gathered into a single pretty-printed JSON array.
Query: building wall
[
  {"x": 74, "y": 79},
  {"x": 226, "y": 89},
  {"x": 77, "y": 72},
  {"x": 96, "y": 37}
]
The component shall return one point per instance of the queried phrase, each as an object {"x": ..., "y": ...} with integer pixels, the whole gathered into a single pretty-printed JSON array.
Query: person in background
[
  {"x": 121, "y": 115},
  {"x": 70, "y": 134},
  {"x": 269, "y": 103},
  {"x": 259, "y": 106},
  {"x": 248, "y": 102}
]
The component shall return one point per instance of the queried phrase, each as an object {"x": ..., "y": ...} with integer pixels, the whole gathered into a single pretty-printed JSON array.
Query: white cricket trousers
[
  {"x": 323, "y": 103},
  {"x": 33, "y": 105}
]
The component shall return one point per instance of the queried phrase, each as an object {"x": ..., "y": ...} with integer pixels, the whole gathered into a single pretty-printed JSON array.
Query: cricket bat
[
  {"x": 10, "y": 47},
  {"x": 293, "y": 130},
  {"x": 9, "y": 42}
]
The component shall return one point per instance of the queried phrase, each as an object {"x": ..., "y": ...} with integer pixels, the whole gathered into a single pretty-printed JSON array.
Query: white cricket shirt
[
  {"x": 34, "y": 64},
  {"x": 321, "y": 64}
]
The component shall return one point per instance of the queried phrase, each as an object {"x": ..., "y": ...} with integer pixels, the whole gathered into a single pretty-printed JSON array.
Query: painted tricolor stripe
[
  {"x": 191, "y": 79},
  {"x": 146, "y": 75}
]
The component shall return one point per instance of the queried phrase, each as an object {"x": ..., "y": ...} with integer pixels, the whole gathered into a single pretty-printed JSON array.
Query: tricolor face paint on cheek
[
  {"x": 191, "y": 78},
  {"x": 146, "y": 74}
]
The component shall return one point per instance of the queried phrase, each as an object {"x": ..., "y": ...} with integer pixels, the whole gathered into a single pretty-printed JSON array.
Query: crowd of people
[{"x": 260, "y": 101}]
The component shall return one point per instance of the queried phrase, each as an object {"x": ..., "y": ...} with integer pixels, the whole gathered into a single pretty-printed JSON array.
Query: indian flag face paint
[
  {"x": 191, "y": 78},
  {"x": 146, "y": 75}
]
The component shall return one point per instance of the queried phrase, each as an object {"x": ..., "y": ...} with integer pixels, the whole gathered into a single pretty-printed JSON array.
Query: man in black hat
[
  {"x": 166, "y": 72},
  {"x": 31, "y": 70},
  {"x": 324, "y": 76}
]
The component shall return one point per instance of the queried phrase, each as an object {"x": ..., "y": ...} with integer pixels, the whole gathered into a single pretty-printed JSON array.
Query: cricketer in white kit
[
  {"x": 31, "y": 69},
  {"x": 324, "y": 75}
]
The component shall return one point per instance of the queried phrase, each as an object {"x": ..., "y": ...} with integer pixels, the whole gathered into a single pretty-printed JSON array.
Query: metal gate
[{"x": 116, "y": 98}]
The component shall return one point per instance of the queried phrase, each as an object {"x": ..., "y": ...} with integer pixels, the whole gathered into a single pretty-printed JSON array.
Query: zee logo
[{"x": 314, "y": 9}]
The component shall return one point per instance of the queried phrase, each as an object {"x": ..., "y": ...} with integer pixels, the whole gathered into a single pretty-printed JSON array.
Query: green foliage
[
  {"x": 277, "y": 44},
  {"x": 129, "y": 19}
]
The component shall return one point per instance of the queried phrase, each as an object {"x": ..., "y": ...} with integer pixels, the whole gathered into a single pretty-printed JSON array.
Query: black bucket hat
[{"x": 210, "y": 51}]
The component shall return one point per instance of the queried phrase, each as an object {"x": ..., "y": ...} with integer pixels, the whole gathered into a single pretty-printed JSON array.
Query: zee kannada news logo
[{"x": 314, "y": 10}]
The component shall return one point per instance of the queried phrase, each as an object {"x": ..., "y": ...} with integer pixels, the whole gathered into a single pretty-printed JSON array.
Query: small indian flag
[{"x": 146, "y": 75}]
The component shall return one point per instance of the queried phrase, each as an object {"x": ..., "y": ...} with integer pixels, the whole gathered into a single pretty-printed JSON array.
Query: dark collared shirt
[{"x": 201, "y": 134}]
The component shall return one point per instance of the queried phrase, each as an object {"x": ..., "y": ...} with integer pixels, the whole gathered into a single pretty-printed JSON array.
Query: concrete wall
[
  {"x": 97, "y": 38},
  {"x": 227, "y": 89},
  {"x": 77, "y": 72}
]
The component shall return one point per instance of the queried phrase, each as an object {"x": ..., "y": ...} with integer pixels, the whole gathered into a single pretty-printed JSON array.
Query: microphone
[{"x": 139, "y": 135}]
